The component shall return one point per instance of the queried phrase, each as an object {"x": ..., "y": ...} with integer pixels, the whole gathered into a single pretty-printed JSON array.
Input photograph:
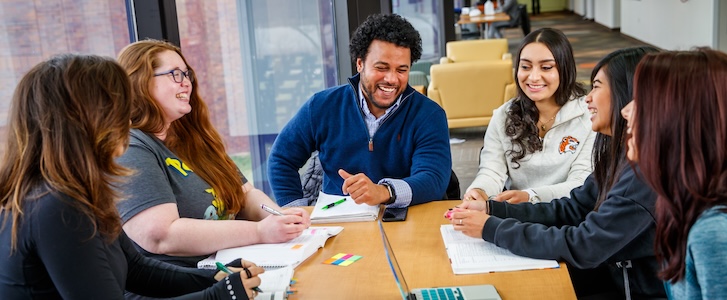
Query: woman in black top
[{"x": 60, "y": 234}]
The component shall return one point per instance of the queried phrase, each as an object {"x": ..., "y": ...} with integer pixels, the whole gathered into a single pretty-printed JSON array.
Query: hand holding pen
[
  {"x": 280, "y": 226},
  {"x": 250, "y": 279},
  {"x": 290, "y": 211}
]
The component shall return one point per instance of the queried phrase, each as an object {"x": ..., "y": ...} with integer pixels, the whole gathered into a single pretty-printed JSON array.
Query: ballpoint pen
[
  {"x": 271, "y": 210},
  {"x": 333, "y": 204},
  {"x": 222, "y": 268}
]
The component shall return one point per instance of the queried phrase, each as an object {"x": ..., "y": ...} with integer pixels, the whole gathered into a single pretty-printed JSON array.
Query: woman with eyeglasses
[
  {"x": 60, "y": 234},
  {"x": 187, "y": 198}
]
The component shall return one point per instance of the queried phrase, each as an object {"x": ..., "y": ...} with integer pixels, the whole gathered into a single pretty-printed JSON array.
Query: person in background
[
  {"x": 60, "y": 234},
  {"x": 510, "y": 7},
  {"x": 538, "y": 145},
  {"x": 605, "y": 230},
  {"x": 678, "y": 125},
  {"x": 378, "y": 140},
  {"x": 186, "y": 198}
]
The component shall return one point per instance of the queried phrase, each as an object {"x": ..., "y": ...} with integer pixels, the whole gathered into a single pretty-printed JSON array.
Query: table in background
[
  {"x": 483, "y": 21},
  {"x": 420, "y": 251}
]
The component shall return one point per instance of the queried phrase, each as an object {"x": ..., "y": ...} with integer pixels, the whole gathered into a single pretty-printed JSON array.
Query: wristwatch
[
  {"x": 392, "y": 193},
  {"x": 533, "y": 198}
]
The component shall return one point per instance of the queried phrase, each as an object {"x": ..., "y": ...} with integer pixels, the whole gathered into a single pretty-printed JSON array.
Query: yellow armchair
[
  {"x": 476, "y": 50},
  {"x": 473, "y": 79}
]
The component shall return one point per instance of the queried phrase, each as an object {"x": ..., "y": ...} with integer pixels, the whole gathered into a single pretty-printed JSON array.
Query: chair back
[{"x": 476, "y": 50}]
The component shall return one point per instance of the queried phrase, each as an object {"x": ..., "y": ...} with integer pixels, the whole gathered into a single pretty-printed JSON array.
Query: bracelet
[{"x": 487, "y": 206}]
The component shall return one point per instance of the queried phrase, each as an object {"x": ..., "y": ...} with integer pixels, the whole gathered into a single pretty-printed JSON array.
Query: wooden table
[
  {"x": 420, "y": 251},
  {"x": 484, "y": 21}
]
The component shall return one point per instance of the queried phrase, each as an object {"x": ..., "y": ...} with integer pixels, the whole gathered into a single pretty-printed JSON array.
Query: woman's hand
[
  {"x": 480, "y": 205},
  {"x": 475, "y": 194},
  {"x": 277, "y": 229},
  {"x": 513, "y": 197},
  {"x": 299, "y": 212},
  {"x": 249, "y": 276},
  {"x": 469, "y": 222}
]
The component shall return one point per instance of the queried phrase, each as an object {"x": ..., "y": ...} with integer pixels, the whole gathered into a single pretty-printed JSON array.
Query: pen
[
  {"x": 271, "y": 210},
  {"x": 222, "y": 268},
  {"x": 333, "y": 204}
]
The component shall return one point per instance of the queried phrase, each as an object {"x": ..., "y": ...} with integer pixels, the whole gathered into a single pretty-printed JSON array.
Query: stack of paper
[
  {"x": 271, "y": 256},
  {"x": 346, "y": 211},
  {"x": 470, "y": 255}
]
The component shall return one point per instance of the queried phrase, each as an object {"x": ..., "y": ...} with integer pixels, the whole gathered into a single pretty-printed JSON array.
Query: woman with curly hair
[
  {"x": 187, "y": 198},
  {"x": 605, "y": 229},
  {"x": 538, "y": 145}
]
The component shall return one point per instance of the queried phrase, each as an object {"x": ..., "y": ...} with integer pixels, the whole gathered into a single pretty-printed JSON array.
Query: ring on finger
[{"x": 460, "y": 221}]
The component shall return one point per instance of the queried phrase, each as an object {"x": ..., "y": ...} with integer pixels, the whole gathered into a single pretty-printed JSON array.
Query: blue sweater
[
  {"x": 411, "y": 144},
  {"x": 706, "y": 261}
]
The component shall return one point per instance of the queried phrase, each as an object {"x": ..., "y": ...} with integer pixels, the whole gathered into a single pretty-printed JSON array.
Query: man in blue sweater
[{"x": 378, "y": 140}]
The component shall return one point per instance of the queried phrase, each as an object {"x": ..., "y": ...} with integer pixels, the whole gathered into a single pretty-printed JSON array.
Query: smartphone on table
[{"x": 395, "y": 214}]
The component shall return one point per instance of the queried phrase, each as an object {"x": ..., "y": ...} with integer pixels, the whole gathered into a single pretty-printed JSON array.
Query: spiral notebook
[{"x": 270, "y": 256}]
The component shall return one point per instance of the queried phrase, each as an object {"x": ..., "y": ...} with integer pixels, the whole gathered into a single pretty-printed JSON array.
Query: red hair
[{"x": 680, "y": 129}]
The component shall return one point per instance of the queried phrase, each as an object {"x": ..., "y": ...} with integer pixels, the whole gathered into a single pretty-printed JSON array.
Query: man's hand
[{"x": 362, "y": 189}]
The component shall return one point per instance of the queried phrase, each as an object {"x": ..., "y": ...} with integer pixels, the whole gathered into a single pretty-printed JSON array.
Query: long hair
[
  {"x": 680, "y": 130},
  {"x": 68, "y": 117},
  {"x": 609, "y": 153},
  {"x": 191, "y": 137},
  {"x": 522, "y": 116}
]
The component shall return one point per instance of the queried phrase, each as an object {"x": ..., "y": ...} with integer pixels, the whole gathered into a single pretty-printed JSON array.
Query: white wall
[
  {"x": 579, "y": 7},
  {"x": 608, "y": 13},
  {"x": 671, "y": 24}
]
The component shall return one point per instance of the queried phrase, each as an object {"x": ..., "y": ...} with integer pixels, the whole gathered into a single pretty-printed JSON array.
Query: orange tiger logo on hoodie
[{"x": 568, "y": 144}]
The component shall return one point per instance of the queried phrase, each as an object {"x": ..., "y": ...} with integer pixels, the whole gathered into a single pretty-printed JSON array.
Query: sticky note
[{"x": 342, "y": 259}]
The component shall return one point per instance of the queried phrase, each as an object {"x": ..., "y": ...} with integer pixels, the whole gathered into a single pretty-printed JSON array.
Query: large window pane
[
  {"x": 32, "y": 31},
  {"x": 257, "y": 62},
  {"x": 424, "y": 16}
]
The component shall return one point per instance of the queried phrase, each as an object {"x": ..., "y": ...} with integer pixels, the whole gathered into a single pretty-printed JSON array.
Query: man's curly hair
[{"x": 388, "y": 28}]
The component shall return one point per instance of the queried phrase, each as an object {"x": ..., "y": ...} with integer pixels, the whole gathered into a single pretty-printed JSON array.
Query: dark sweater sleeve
[
  {"x": 620, "y": 220},
  {"x": 150, "y": 277},
  {"x": 559, "y": 212},
  {"x": 431, "y": 163},
  {"x": 76, "y": 259},
  {"x": 290, "y": 151}
]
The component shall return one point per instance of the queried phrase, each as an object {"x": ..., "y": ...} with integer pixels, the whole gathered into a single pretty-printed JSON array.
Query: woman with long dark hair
[
  {"x": 606, "y": 228},
  {"x": 539, "y": 143},
  {"x": 678, "y": 124}
]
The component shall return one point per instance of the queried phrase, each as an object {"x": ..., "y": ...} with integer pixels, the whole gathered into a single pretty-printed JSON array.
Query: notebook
[
  {"x": 346, "y": 211},
  {"x": 270, "y": 256},
  {"x": 470, "y": 255},
  {"x": 467, "y": 292},
  {"x": 275, "y": 283}
]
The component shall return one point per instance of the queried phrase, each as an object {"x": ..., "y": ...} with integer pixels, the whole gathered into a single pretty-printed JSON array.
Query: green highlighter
[{"x": 333, "y": 204}]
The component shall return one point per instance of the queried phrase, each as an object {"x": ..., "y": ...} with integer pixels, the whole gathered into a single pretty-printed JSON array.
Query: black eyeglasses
[{"x": 178, "y": 75}]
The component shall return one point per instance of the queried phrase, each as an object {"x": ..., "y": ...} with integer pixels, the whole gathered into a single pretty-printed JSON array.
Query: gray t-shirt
[{"x": 161, "y": 177}]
